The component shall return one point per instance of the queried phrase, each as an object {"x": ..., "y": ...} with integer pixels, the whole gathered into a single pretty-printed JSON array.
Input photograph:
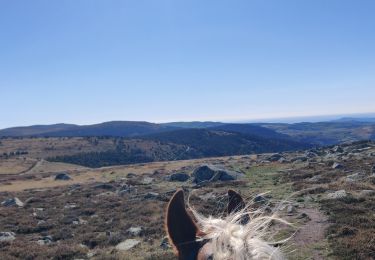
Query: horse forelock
[{"x": 230, "y": 239}]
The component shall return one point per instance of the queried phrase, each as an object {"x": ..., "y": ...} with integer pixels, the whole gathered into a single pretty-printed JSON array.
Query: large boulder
[
  {"x": 62, "y": 176},
  {"x": 209, "y": 173}
]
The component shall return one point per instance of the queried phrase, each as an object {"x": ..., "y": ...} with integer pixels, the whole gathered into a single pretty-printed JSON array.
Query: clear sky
[{"x": 88, "y": 61}]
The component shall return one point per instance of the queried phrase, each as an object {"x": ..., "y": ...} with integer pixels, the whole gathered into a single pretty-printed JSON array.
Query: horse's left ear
[
  {"x": 236, "y": 204},
  {"x": 180, "y": 226}
]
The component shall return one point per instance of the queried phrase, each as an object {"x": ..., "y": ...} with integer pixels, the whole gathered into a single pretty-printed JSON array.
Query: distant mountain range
[{"x": 319, "y": 133}]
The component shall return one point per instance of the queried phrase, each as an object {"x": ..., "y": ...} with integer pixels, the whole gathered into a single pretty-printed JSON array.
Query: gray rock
[
  {"x": 366, "y": 193},
  {"x": 260, "y": 199},
  {"x": 303, "y": 215},
  {"x": 152, "y": 195},
  {"x": 299, "y": 159},
  {"x": 125, "y": 189},
  {"x": 45, "y": 240},
  {"x": 104, "y": 186},
  {"x": 315, "y": 178},
  {"x": 135, "y": 231},
  {"x": 165, "y": 243},
  {"x": 337, "y": 149},
  {"x": 212, "y": 173},
  {"x": 337, "y": 166},
  {"x": 373, "y": 170},
  {"x": 310, "y": 154},
  {"x": 274, "y": 157},
  {"x": 70, "y": 206},
  {"x": 12, "y": 202},
  {"x": 127, "y": 244},
  {"x": 179, "y": 177},
  {"x": 7, "y": 236},
  {"x": 290, "y": 209},
  {"x": 131, "y": 175},
  {"x": 62, "y": 176},
  {"x": 147, "y": 180},
  {"x": 337, "y": 194},
  {"x": 356, "y": 177}
]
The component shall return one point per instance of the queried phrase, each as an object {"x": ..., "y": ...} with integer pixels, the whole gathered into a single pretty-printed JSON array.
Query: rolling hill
[{"x": 113, "y": 128}]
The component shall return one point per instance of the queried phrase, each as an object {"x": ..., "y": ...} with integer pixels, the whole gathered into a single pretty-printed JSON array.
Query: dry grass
[{"x": 86, "y": 220}]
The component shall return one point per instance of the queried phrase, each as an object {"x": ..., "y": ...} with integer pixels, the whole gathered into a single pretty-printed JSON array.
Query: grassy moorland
[{"x": 87, "y": 216}]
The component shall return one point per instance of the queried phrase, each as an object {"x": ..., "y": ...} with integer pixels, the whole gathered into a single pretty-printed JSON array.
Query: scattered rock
[
  {"x": 126, "y": 188},
  {"x": 135, "y": 231},
  {"x": 290, "y": 209},
  {"x": 337, "y": 166},
  {"x": 12, "y": 202},
  {"x": 147, "y": 180},
  {"x": 41, "y": 222},
  {"x": 62, "y": 176},
  {"x": 131, "y": 175},
  {"x": 127, "y": 244},
  {"x": 104, "y": 186},
  {"x": 7, "y": 236},
  {"x": 299, "y": 159},
  {"x": 337, "y": 194},
  {"x": 356, "y": 177},
  {"x": 315, "y": 178},
  {"x": 274, "y": 157},
  {"x": 152, "y": 195},
  {"x": 212, "y": 173},
  {"x": 337, "y": 149},
  {"x": 179, "y": 177},
  {"x": 303, "y": 215},
  {"x": 75, "y": 187},
  {"x": 165, "y": 243},
  {"x": 45, "y": 240},
  {"x": 310, "y": 154},
  {"x": 366, "y": 193},
  {"x": 260, "y": 199}
]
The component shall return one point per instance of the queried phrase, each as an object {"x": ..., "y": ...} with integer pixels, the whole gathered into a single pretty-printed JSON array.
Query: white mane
[{"x": 231, "y": 240}]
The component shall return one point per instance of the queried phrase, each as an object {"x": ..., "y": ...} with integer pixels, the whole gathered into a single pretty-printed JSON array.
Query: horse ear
[
  {"x": 180, "y": 226},
  {"x": 236, "y": 204}
]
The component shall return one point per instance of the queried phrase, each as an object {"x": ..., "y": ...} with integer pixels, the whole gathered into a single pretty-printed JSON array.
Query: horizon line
[{"x": 286, "y": 119}]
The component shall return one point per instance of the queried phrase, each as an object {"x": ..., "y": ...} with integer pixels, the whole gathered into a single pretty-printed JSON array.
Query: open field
[{"x": 87, "y": 216}]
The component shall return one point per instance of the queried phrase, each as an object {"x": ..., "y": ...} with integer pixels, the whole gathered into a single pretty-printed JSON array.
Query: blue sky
[{"x": 88, "y": 61}]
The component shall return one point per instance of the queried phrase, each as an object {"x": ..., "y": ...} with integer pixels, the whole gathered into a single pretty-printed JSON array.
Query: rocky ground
[{"x": 117, "y": 212}]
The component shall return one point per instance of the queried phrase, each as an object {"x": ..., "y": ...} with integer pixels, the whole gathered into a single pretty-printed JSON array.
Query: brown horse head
[{"x": 184, "y": 233}]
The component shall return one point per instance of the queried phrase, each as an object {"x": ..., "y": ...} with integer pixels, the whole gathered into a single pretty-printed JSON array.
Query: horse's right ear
[
  {"x": 236, "y": 204},
  {"x": 180, "y": 226}
]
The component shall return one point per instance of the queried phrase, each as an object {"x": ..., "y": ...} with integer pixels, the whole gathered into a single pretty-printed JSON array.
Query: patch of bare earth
[{"x": 312, "y": 232}]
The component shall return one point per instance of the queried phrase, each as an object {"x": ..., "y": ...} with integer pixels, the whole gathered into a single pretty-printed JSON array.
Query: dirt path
[
  {"x": 312, "y": 232},
  {"x": 35, "y": 165}
]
